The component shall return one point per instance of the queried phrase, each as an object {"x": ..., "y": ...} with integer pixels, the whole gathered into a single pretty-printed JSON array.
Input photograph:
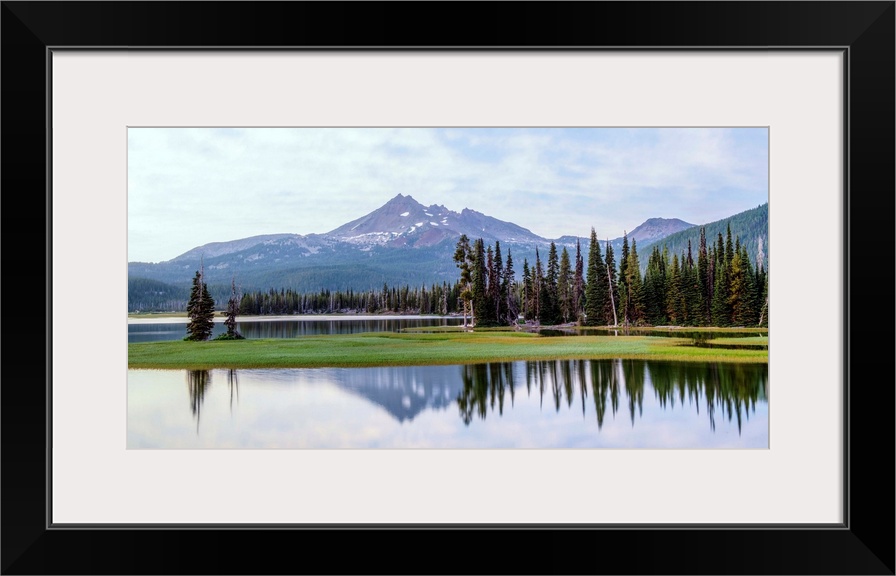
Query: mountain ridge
[{"x": 402, "y": 242}]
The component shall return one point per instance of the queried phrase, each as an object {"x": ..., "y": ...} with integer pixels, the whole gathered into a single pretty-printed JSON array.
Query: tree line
[
  {"x": 719, "y": 284},
  {"x": 436, "y": 299},
  {"x": 715, "y": 284}
]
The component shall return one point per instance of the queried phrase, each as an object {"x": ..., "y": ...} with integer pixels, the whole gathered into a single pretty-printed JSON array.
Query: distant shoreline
[{"x": 170, "y": 318}]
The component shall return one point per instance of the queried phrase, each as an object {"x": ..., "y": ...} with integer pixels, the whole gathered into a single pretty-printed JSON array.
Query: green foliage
[
  {"x": 538, "y": 289},
  {"x": 578, "y": 285},
  {"x": 674, "y": 294},
  {"x": 226, "y": 336},
  {"x": 511, "y": 305},
  {"x": 480, "y": 283},
  {"x": 463, "y": 258},
  {"x": 550, "y": 304},
  {"x": 200, "y": 310},
  {"x": 654, "y": 290},
  {"x": 749, "y": 226},
  {"x": 630, "y": 303},
  {"x": 596, "y": 287},
  {"x": 612, "y": 288},
  {"x": 145, "y": 294},
  {"x": 526, "y": 292},
  {"x": 721, "y": 311},
  {"x": 565, "y": 287}
]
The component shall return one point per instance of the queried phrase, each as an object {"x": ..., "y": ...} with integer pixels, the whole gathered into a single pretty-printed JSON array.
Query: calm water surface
[
  {"x": 149, "y": 330},
  {"x": 551, "y": 404}
]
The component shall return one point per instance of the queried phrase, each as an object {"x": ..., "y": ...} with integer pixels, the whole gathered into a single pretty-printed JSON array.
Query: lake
[
  {"x": 549, "y": 404},
  {"x": 157, "y": 329},
  {"x": 588, "y": 404}
]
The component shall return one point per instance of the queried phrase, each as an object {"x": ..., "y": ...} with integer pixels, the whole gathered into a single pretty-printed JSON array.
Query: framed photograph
[
  {"x": 388, "y": 323},
  {"x": 122, "y": 108}
]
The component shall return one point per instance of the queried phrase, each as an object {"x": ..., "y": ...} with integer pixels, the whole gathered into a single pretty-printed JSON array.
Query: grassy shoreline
[{"x": 392, "y": 349}]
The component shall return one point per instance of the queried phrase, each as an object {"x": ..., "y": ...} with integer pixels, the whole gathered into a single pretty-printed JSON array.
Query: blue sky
[{"x": 192, "y": 186}]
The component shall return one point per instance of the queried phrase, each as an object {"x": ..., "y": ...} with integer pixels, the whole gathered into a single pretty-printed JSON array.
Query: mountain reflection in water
[{"x": 555, "y": 403}]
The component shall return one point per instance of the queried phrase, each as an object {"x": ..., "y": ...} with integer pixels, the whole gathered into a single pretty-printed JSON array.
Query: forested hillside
[{"x": 749, "y": 226}]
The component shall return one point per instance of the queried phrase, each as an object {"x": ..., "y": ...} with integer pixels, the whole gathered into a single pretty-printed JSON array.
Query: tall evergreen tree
[
  {"x": 743, "y": 294},
  {"x": 729, "y": 247},
  {"x": 480, "y": 284},
  {"x": 764, "y": 310},
  {"x": 498, "y": 293},
  {"x": 233, "y": 306},
  {"x": 613, "y": 288},
  {"x": 623, "y": 306},
  {"x": 537, "y": 287},
  {"x": 526, "y": 297},
  {"x": 578, "y": 290},
  {"x": 511, "y": 308},
  {"x": 490, "y": 312},
  {"x": 703, "y": 280},
  {"x": 550, "y": 308},
  {"x": 691, "y": 289},
  {"x": 201, "y": 310},
  {"x": 564, "y": 287},
  {"x": 633, "y": 273},
  {"x": 595, "y": 286},
  {"x": 674, "y": 300},
  {"x": 463, "y": 257},
  {"x": 655, "y": 289},
  {"x": 721, "y": 311}
]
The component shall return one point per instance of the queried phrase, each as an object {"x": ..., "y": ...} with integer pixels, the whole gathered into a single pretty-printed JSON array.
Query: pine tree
[
  {"x": 595, "y": 285},
  {"x": 480, "y": 284},
  {"x": 578, "y": 288},
  {"x": 489, "y": 309},
  {"x": 498, "y": 292},
  {"x": 564, "y": 287},
  {"x": 463, "y": 259},
  {"x": 538, "y": 287},
  {"x": 511, "y": 309},
  {"x": 748, "y": 314},
  {"x": 763, "y": 310},
  {"x": 633, "y": 274},
  {"x": 704, "y": 281},
  {"x": 655, "y": 289},
  {"x": 612, "y": 289},
  {"x": 201, "y": 310},
  {"x": 673, "y": 292},
  {"x": 721, "y": 312},
  {"x": 527, "y": 291},
  {"x": 550, "y": 305},
  {"x": 232, "y": 311},
  {"x": 729, "y": 247},
  {"x": 623, "y": 305}
]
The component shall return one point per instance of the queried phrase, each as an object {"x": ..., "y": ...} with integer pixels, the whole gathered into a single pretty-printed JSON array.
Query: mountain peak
[
  {"x": 402, "y": 221},
  {"x": 656, "y": 228}
]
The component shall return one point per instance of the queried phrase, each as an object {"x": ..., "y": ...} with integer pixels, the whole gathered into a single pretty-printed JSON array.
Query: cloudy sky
[{"x": 192, "y": 186}]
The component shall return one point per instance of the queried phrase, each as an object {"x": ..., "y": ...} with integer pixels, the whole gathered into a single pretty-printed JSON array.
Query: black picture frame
[{"x": 864, "y": 544}]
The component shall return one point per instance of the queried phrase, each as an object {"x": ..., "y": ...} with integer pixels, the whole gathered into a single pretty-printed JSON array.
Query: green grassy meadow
[{"x": 410, "y": 349}]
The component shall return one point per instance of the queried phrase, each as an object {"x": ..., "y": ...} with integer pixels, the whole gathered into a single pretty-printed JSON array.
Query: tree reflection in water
[
  {"x": 729, "y": 390},
  {"x": 234, "y": 384},
  {"x": 724, "y": 391},
  {"x": 198, "y": 382}
]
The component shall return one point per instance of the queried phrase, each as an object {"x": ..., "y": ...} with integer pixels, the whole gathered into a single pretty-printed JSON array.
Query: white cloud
[{"x": 187, "y": 187}]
